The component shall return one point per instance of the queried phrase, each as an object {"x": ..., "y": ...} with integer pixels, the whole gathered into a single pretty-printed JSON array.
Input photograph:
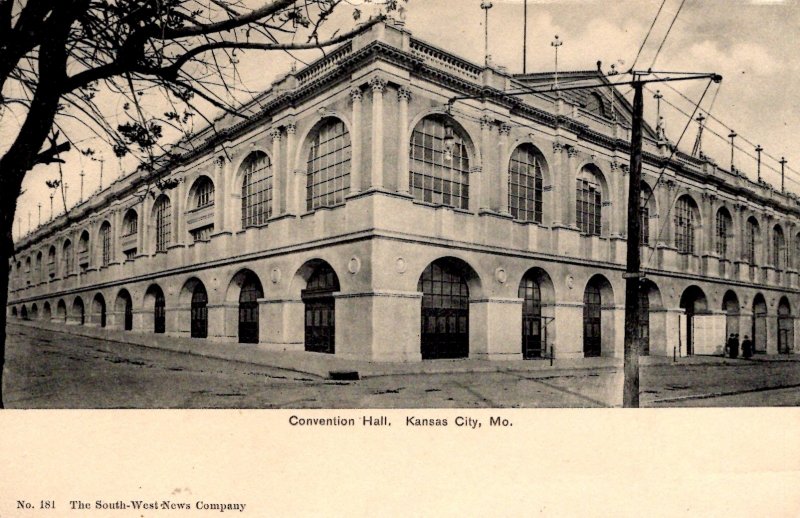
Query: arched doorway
[
  {"x": 199, "y": 311},
  {"x": 124, "y": 305},
  {"x": 14, "y": 311},
  {"x": 693, "y": 302},
  {"x": 730, "y": 305},
  {"x": 592, "y": 320},
  {"x": 785, "y": 327},
  {"x": 155, "y": 296},
  {"x": 445, "y": 309},
  {"x": 23, "y": 313},
  {"x": 78, "y": 311},
  {"x": 536, "y": 291},
  {"x": 320, "y": 314},
  {"x": 47, "y": 312},
  {"x": 99, "y": 309},
  {"x": 34, "y": 311},
  {"x": 248, "y": 307},
  {"x": 759, "y": 324},
  {"x": 61, "y": 310}
]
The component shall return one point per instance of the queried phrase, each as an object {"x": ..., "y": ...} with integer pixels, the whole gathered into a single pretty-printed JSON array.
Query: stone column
[
  {"x": 220, "y": 195},
  {"x": 570, "y": 176},
  {"x": 378, "y": 85},
  {"x": 484, "y": 194},
  {"x": 283, "y": 329},
  {"x": 278, "y": 174},
  {"x": 178, "y": 213},
  {"x": 355, "y": 143},
  {"x": 709, "y": 225},
  {"x": 495, "y": 324},
  {"x": 143, "y": 247},
  {"x": 568, "y": 326},
  {"x": 559, "y": 211},
  {"x": 403, "y": 167},
  {"x": 292, "y": 177},
  {"x": 665, "y": 215},
  {"x": 502, "y": 165}
]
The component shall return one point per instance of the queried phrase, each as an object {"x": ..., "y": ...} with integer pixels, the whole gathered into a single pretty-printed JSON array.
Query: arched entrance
[
  {"x": 445, "y": 309},
  {"x": 730, "y": 305},
  {"x": 649, "y": 298},
  {"x": 124, "y": 305},
  {"x": 14, "y": 311},
  {"x": 693, "y": 302},
  {"x": 61, "y": 310},
  {"x": 759, "y": 324},
  {"x": 249, "y": 294},
  {"x": 156, "y": 297},
  {"x": 47, "y": 312},
  {"x": 320, "y": 314},
  {"x": 78, "y": 311},
  {"x": 34, "y": 311},
  {"x": 536, "y": 291},
  {"x": 99, "y": 309},
  {"x": 592, "y": 320},
  {"x": 785, "y": 327},
  {"x": 23, "y": 313},
  {"x": 199, "y": 311}
]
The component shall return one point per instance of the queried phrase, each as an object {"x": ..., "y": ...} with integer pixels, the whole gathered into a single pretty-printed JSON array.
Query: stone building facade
[{"x": 359, "y": 213}]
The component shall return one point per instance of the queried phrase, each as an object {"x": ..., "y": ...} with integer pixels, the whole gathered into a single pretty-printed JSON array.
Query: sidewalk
[{"x": 323, "y": 365}]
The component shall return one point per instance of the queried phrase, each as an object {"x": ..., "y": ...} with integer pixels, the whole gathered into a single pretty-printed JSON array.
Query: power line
[
  {"x": 648, "y": 34},
  {"x": 667, "y": 34}
]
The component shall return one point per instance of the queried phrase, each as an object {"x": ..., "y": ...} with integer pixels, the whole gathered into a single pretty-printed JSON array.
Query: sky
[{"x": 749, "y": 42}]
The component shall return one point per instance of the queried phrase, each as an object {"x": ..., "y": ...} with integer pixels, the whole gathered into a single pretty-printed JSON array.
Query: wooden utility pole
[{"x": 630, "y": 391}]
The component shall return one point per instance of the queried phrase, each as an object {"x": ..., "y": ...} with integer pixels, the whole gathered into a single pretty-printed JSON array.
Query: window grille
[
  {"x": 256, "y": 190},
  {"x": 328, "y": 173},
  {"x": 589, "y": 203},
  {"x": 131, "y": 223},
  {"x": 105, "y": 240},
  {"x": 204, "y": 194},
  {"x": 723, "y": 234},
  {"x": 438, "y": 176},
  {"x": 778, "y": 249},
  {"x": 525, "y": 184},
  {"x": 163, "y": 224},
  {"x": 750, "y": 241},
  {"x": 684, "y": 225}
]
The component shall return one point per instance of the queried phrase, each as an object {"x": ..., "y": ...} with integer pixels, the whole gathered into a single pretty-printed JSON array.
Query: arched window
[
  {"x": 39, "y": 271},
  {"x": 203, "y": 193},
  {"x": 69, "y": 258},
  {"x": 589, "y": 203},
  {"x": 595, "y": 104},
  {"x": 644, "y": 214},
  {"x": 130, "y": 224},
  {"x": 724, "y": 232},
  {"x": 328, "y": 173},
  {"x": 751, "y": 240},
  {"x": 685, "y": 215},
  {"x": 199, "y": 312},
  {"x": 163, "y": 217},
  {"x": 525, "y": 184},
  {"x": 531, "y": 294},
  {"x": 778, "y": 248},
  {"x": 439, "y": 163},
  {"x": 83, "y": 250},
  {"x": 51, "y": 262},
  {"x": 256, "y": 189},
  {"x": 105, "y": 242}
]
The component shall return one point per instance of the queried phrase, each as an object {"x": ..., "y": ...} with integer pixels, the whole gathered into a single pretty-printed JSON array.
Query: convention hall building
[{"x": 358, "y": 213}]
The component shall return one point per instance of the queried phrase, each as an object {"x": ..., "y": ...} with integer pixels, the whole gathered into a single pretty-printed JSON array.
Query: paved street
[{"x": 47, "y": 369}]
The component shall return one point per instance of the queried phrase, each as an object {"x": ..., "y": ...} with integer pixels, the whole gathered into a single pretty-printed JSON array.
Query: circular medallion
[
  {"x": 501, "y": 275},
  {"x": 570, "y": 281},
  {"x": 275, "y": 275},
  {"x": 354, "y": 265},
  {"x": 400, "y": 265}
]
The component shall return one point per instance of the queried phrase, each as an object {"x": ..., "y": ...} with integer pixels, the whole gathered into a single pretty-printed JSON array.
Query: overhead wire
[
  {"x": 669, "y": 29},
  {"x": 647, "y": 36}
]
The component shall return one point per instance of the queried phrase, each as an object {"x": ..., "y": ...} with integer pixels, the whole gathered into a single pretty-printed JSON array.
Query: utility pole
[
  {"x": 40, "y": 214},
  {"x": 555, "y": 44},
  {"x": 52, "y": 193},
  {"x": 697, "y": 150},
  {"x": 783, "y": 166},
  {"x": 525, "y": 38},
  {"x": 732, "y": 135},
  {"x": 81, "y": 175},
  {"x": 660, "y": 133},
  {"x": 759, "y": 149},
  {"x": 630, "y": 391},
  {"x": 102, "y": 161},
  {"x": 486, "y": 5}
]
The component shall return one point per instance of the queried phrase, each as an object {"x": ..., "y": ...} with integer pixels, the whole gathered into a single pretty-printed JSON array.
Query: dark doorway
[
  {"x": 199, "y": 312},
  {"x": 531, "y": 294},
  {"x": 592, "y": 320},
  {"x": 124, "y": 300},
  {"x": 693, "y": 302},
  {"x": 79, "y": 311},
  {"x": 760, "y": 324},
  {"x": 320, "y": 314},
  {"x": 730, "y": 305},
  {"x": 248, "y": 309},
  {"x": 785, "y": 327},
  {"x": 100, "y": 309},
  {"x": 159, "y": 311},
  {"x": 445, "y": 311}
]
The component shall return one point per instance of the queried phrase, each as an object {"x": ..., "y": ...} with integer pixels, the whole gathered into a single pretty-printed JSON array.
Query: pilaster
[{"x": 378, "y": 85}]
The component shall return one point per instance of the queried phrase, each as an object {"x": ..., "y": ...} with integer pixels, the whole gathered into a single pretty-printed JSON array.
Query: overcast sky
[{"x": 751, "y": 43}]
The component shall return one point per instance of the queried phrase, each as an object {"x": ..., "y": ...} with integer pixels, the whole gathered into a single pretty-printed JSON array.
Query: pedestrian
[
  {"x": 735, "y": 346},
  {"x": 728, "y": 343},
  {"x": 747, "y": 347}
]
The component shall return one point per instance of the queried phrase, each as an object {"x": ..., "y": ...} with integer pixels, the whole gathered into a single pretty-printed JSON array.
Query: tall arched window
[
  {"x": 724, "y": 232},
  {"x": 51, "y": 262},
  {"x": 778, "y": 248},
  {"x": 328, "y": 173},
  {"x": 751, "y": 240},
  {"x": 39, "y": 272},
  {"x": 256, "y": 189},
  {"x": 105, "y": 242},
  {"x": 69, "y": 257},
  {"x": 525, "y": 184},
  {"x": 589, "y": 203},
  {"x": 595, "y": 104},
  {"x": 439, "y": 163},
  {"x": 685, "y": 217},
  {"x": 130, "y": 224},
  {"x": 203, "y": 193},
  {"x": 163, "y": 217},
  {"x": 83, "y": 250}
]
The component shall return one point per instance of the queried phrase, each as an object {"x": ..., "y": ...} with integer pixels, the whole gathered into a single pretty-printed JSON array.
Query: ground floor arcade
[{"x": 389, "y": 299}]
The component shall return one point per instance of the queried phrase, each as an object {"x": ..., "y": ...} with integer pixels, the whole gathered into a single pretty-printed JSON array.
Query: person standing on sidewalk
[{"x": 747, "y": 348}]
